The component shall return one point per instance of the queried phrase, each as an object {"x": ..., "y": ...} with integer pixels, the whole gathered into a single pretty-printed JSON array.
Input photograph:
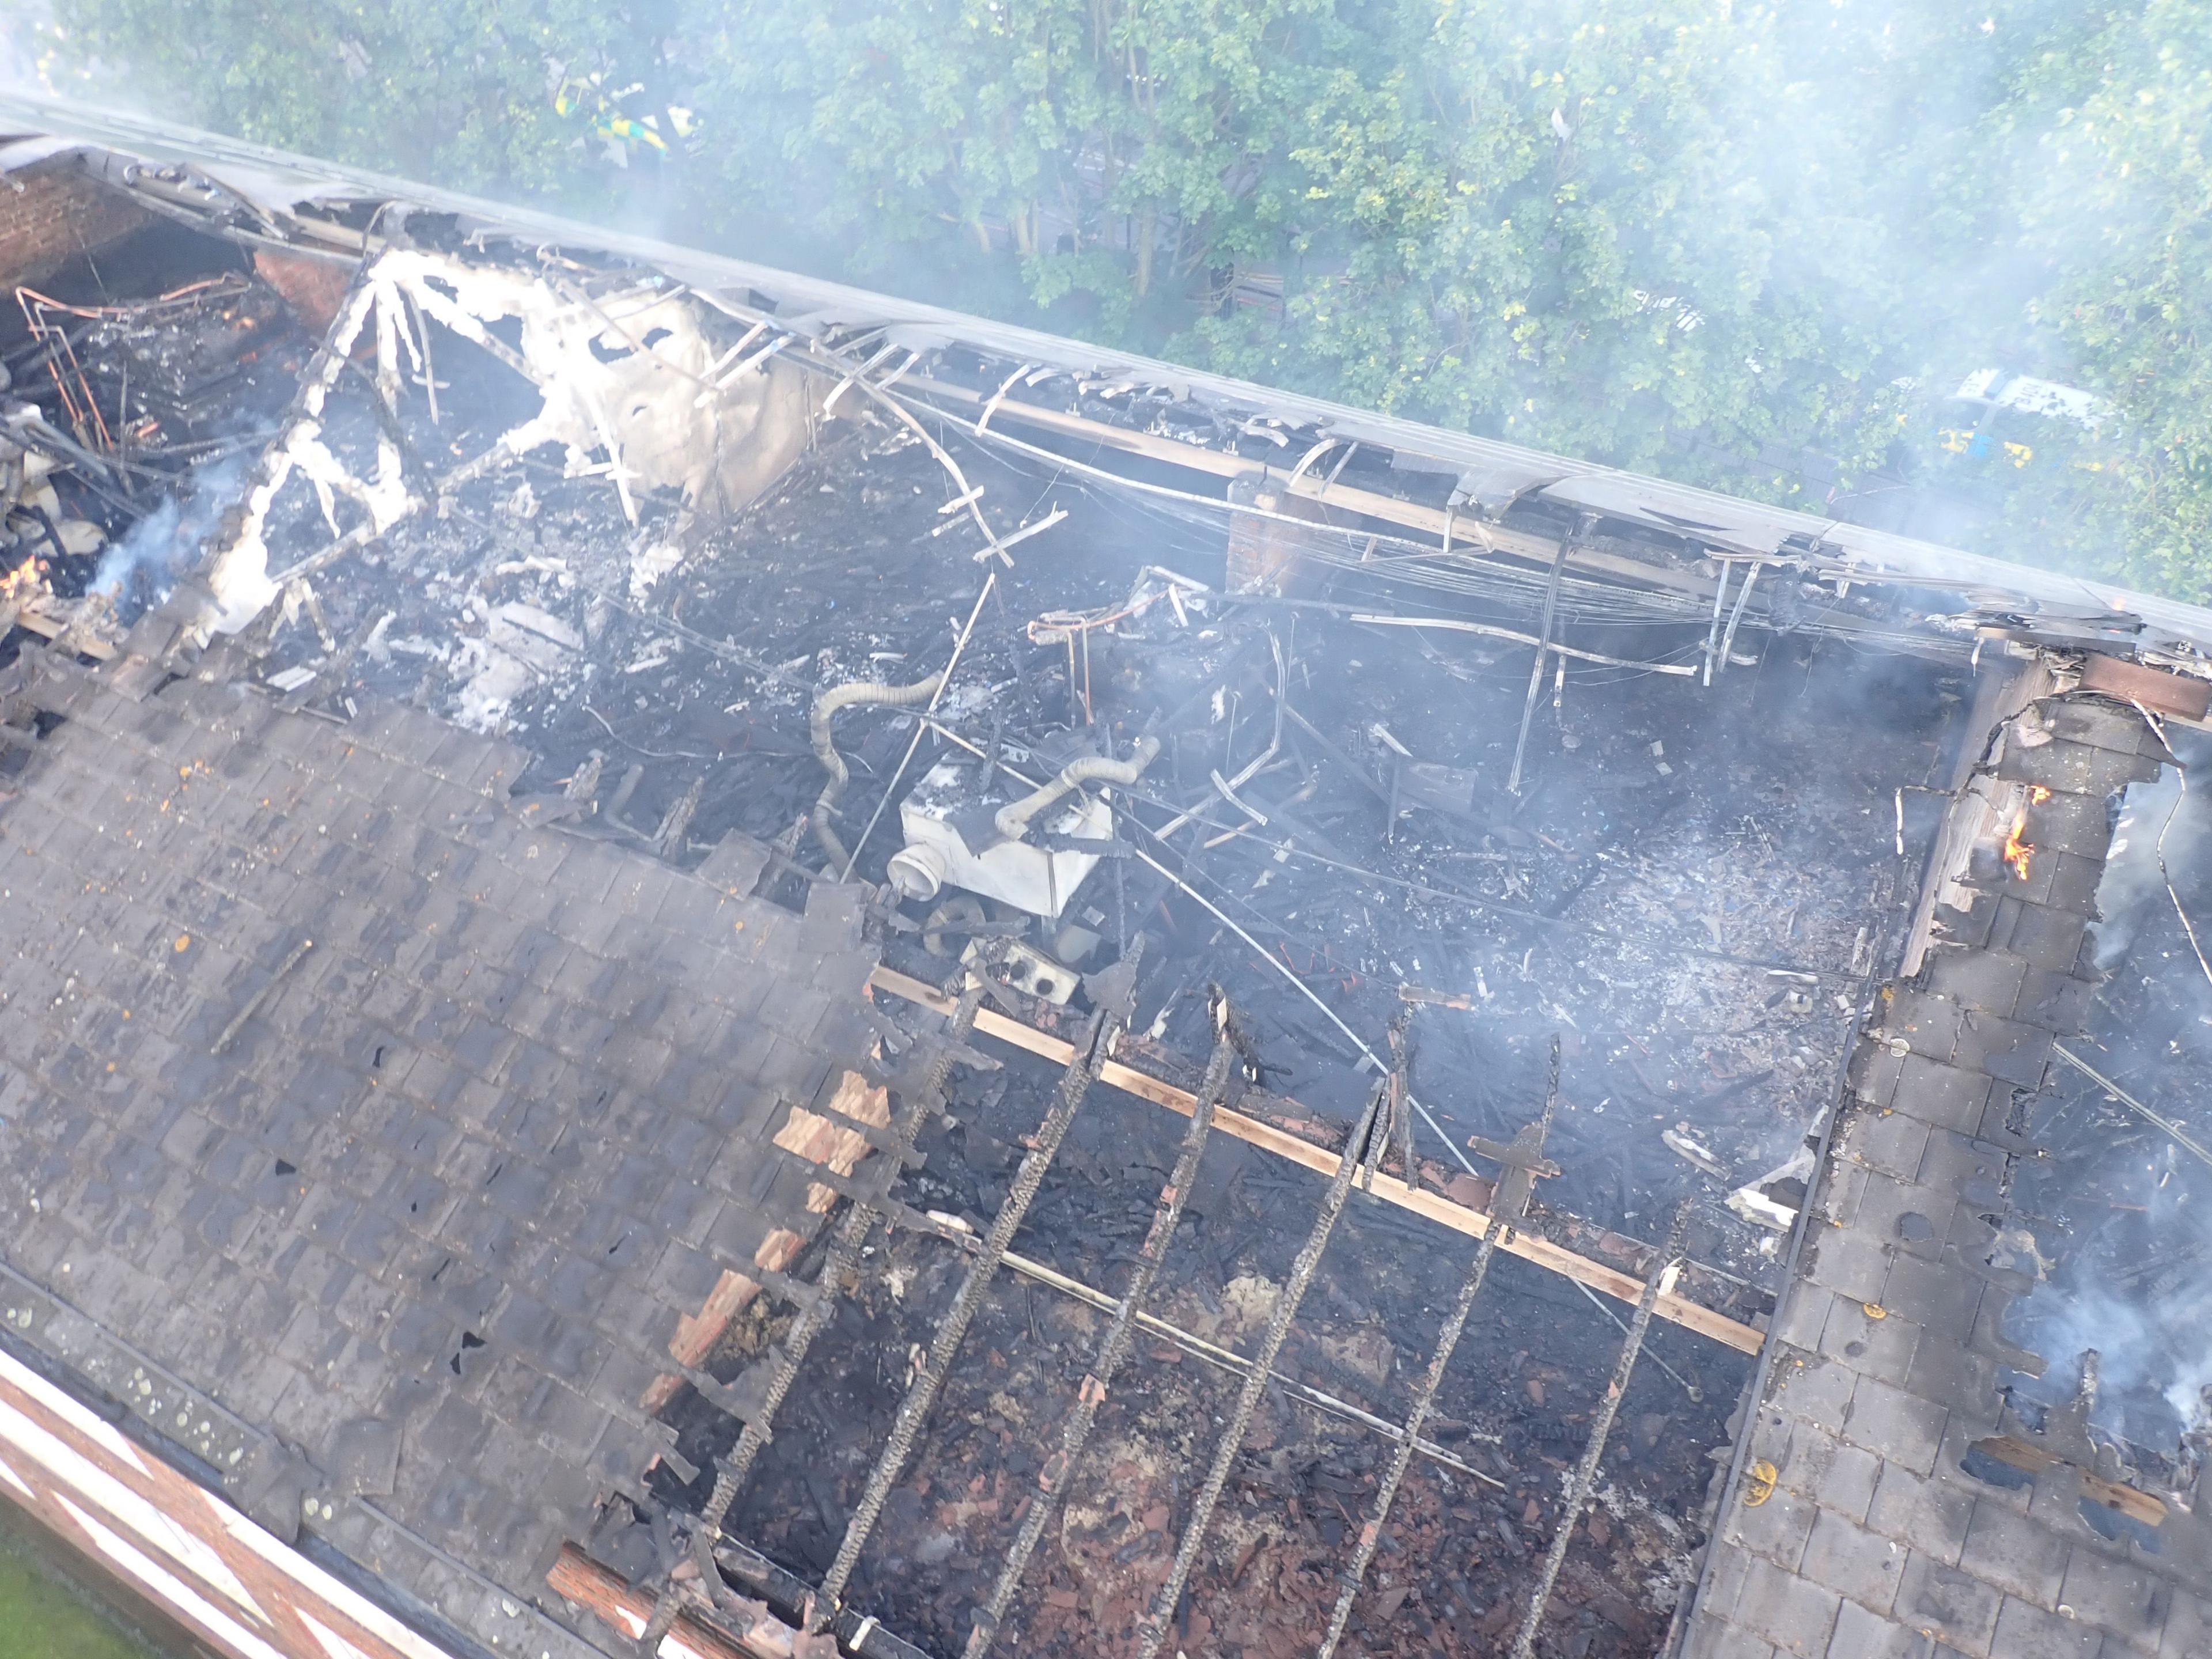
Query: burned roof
[
  {"x": 705, "y": 956},
  {"x": 261, "y": 195}
]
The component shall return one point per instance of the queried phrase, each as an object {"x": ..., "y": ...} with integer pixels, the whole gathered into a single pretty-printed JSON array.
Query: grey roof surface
[
  {"x": 405, "y": 1257},
  {"x": 1888, "y": 1348}
]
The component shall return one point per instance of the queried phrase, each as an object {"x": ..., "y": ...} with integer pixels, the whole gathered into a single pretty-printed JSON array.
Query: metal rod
[
  {"x": 1304, "y": 990},
  {"x": 1536, "y": 668},
  {"x": 1248, "y": 1398},
  {"x": 1455, "y": 625},
  {"x": 1229, "y": 1360},
  {"x": 1113, "y": 1347},
  {"x": 2179, "y": 1136},
  {"x": 2181, "y": 783},
  {"x": 921, "y": 726},
  {"x": 914, "y": 1411},
  {"x": 1370, "y": 1536},
  {"x": 1697, "y": 1394},
  {"x": 1585, "y": 1475},
  {"x": 253, "y": 1004}
]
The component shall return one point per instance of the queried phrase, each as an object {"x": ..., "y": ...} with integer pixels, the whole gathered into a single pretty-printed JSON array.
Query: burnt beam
[
  {"x": 1162, "y": 1616},
  {"x": 1084, "y": 1065},
  {"x": 1370, "y": 1534},
  {"x": 1585, "y": 1474},
  {"x": 1113, "y": 1347},
  {"x": 1459, "y": 1218}
]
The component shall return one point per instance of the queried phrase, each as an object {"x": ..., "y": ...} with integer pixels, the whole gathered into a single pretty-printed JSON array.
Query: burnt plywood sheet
[{"x": 401, "y": 1224}]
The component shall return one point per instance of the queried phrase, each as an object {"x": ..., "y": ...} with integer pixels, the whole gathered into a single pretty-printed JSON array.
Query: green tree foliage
[
  {"x": 1745, "y": 242},
  {"x": 2121, "y": 214},
  {"x": 453, "y": 93}
]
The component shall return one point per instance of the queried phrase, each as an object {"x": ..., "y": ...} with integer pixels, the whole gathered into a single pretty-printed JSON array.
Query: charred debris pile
[{"x": 1543, "y": 858}]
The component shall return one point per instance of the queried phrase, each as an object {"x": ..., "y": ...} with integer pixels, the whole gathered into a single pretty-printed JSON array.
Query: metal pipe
[
  {"x": 1248, "y": 1400},
  {"x": 914, "y": 1411},
  {"x": 1113, "y": 1347},
  {"x": 1370, "y": 1536},
  {"x": 872, "y": 692},
  {"x": 1012, "y": 820},
  {"x": 1585, "y": 1475}
]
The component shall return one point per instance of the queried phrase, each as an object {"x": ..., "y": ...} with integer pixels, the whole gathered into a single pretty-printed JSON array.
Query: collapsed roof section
[
  {"x": 634, "y": 376},
  {"x": 1446, "y": 511}
]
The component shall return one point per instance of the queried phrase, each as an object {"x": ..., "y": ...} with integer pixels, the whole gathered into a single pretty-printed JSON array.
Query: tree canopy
[{"x": 1751, "y": 243}]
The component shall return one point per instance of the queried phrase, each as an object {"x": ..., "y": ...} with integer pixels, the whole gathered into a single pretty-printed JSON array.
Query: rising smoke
[
  {"x": 2127, "y": 1214},
  {"x": 140, "y": 568}
]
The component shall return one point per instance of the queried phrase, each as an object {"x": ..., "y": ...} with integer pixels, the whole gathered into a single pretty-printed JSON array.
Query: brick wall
[{"x": 49, "y": 213}]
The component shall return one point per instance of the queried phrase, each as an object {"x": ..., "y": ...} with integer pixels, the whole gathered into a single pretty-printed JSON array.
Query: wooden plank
[
  {"x": 1460, "y": 1217},
  {"x": 2017, "y": 1454},
  {"x": 2153, "y": 688},
  {"x": 815, "y": 1140},
  {"x": 38, "y": 622},
  {"x": 615, "y": 1601}
]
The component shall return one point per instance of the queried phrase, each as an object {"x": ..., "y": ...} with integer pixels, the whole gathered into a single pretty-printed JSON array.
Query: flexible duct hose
[
  {"x": 817, "y": 728},
  {"x": 1012, "y": 820}
]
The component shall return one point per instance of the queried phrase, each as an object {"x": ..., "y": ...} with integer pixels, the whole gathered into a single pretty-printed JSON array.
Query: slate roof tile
[{"x": 503, "y": 1037}]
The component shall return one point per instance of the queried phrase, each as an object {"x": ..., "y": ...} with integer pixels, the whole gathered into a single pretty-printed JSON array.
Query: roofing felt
[
  {"x": 1888, "y": 1502},
  {"x": 400, "y": 1139}
]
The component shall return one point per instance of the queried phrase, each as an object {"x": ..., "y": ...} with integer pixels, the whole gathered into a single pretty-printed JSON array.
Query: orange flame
[
  {"x": 2016, "y": 852},
  {"x": 27, "y": 581}
]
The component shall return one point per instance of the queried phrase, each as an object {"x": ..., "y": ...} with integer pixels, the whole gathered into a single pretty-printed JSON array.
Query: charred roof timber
[{"x": 619, "y": 864}]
